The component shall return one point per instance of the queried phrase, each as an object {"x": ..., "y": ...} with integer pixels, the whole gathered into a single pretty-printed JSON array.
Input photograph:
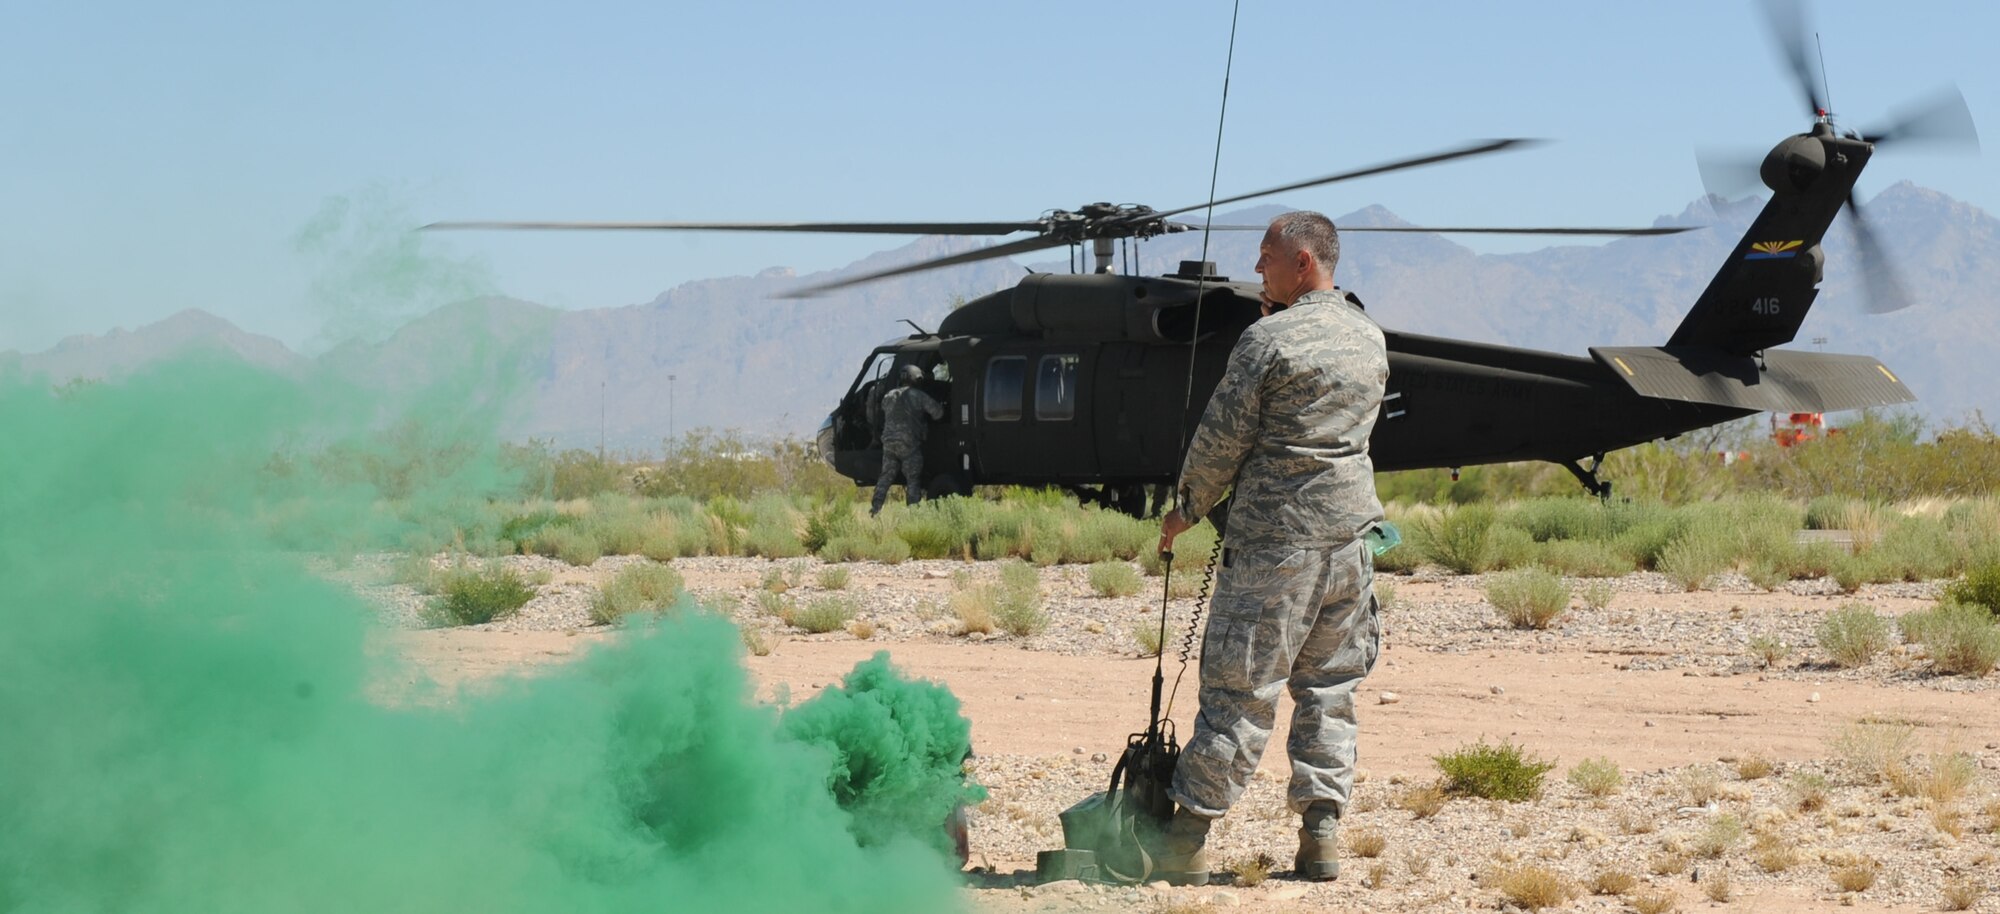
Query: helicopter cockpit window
[
  {"x": 942, "y": 372},
  {"x": 1004, "y": 380},
  {"x": 1055, "y": 387}
]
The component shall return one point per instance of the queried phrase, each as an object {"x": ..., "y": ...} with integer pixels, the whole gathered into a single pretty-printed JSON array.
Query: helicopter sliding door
[
  {"x": 1139, "y": 392},
  {"x": 1035, "y": 417}
]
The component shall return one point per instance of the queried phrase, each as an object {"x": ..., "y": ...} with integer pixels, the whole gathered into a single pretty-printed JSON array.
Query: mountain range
[{"x": 723, "y": 353}]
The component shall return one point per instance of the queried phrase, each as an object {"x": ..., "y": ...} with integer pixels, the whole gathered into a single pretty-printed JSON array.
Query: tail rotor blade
[
  {"x": 1885, "y": 289},
  {"x": 1730, "y": 174},
  {"x": 1940, "y": 120}
]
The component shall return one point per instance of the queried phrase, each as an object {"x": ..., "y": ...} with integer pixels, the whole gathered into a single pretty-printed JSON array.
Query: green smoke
[{"x": 193, "y": 720}]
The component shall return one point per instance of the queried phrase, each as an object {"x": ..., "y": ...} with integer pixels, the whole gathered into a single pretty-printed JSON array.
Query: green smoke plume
[{"x": 192, "y": 718}]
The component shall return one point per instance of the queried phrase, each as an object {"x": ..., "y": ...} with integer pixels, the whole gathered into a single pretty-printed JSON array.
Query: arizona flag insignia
[{"x": 1773, "y": 250}]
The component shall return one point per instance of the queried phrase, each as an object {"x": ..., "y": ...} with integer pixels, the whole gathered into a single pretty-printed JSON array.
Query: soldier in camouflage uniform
[
  {"x": 903, "y": 412},
  {"x": 1294, "y": 605}
]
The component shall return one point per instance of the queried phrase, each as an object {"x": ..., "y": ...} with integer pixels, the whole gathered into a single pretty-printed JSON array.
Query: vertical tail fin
[{"x": 1762, "y": 293}]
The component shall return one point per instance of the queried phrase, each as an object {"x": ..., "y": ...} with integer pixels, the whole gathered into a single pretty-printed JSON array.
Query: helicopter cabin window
[
  {"x": 1004, "y": 382},
  {"x": 1055, "y": 387}
]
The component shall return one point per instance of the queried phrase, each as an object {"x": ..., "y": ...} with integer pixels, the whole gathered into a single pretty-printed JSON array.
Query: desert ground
[{"x": 1759, "y": 786}]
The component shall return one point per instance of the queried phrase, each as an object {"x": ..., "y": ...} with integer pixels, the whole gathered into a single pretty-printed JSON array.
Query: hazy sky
[{"x": 155, "y": 157}]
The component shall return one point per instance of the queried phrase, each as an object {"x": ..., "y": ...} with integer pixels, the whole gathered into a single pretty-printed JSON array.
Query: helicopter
[{"x": 1092, "y": 381}]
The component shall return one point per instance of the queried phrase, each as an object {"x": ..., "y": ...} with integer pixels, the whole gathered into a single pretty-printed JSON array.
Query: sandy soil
[{"x": 1041, "y": 717}]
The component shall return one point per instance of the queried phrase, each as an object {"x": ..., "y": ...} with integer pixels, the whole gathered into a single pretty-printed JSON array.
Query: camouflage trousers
[
  {"x": 910, "y": 466},
  {"x": 1282, "y": 617}
]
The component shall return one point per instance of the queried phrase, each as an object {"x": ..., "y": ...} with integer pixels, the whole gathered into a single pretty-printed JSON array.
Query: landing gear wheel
[{"x": 944, "y": 484}]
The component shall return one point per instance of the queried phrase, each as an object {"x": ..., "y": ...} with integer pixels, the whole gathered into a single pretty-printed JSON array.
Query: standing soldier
[
  {"x": 903, "y": 412},
  {"x": 1294, "y": 602}
]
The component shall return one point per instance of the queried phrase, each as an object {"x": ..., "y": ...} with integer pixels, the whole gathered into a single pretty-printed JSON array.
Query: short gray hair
[{"x": 1311, "y": 231}]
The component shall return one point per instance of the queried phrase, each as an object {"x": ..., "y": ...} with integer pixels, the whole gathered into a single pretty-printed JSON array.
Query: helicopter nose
[{"x": 823, "y": 441}]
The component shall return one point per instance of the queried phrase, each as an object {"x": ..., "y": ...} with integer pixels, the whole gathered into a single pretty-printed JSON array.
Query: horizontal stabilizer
[{"x": 1786, "y": 382}]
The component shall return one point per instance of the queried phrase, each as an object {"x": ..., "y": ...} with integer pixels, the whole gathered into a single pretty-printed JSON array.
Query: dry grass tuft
[
  {"x": 1776, "y": 857},
  {"x": 1367, "y": 842},
  {"x": 1612, "y": 882},
  {"x": 1874, "y": 748},
  {"x": 1667, "y": 863},
  {"x": 1856, "y": 877},
  {"x": 1423, "y": 802},
  {"x": 1378, "y": 876},
  {"x": 1700, "y": 786},
  {"x": 1534, "y": 888},
  {"x": 861, "y": 628},
  {"x": 974, "y": 608},
  {"x": 1754, "y": 767},
  {"x": 756, "y": 643},
  {"x": 1251, "y": 871},
  {"x": 1717, "y": 886},
  {"x": 1961, "y": 894},
  {"x": 1416, "y": 863},
  {"x": 1655, "y": 903}
]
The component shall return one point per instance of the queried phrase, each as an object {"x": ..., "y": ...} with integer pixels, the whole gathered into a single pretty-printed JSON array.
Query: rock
[
  {"x": 1650, "y": 724},
  {"x": 1099, "y": 757},
  {"x": 1095, "y": 628},
  {"x": 1077, "y": 751},
  {"x": 975, "y": 636},
  {"x": 1020, "y": 697},
  {"x": 1813, "y": 697},
  {"x": 1993, "y": 745},
  {"x": 935, "y": 575},
  {"x": 1388, "y": 698},
  {"x": 1497, "y": 690}
]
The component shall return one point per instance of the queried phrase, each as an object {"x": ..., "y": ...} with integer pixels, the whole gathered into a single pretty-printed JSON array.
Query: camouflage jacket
[
  {"x": 1288, "y": 428},
  {"x": 903, "y": 412}
]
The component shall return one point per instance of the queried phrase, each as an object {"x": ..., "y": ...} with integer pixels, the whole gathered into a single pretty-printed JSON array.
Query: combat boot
[
  {"x": 1182, "y": 857},
  {"x": 1319, "y": 845}
]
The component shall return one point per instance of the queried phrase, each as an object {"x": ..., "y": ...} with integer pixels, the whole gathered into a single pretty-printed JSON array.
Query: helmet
[{"x": 912, "y": 374}]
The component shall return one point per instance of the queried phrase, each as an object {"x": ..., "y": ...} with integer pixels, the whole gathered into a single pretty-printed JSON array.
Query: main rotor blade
[
  {"x": 1483, "y": 230},
  {"x": 1787, "y": 20},
  {"x": 1475, "y": 149},
  {"x": 1886, "y": 291},
  {"x": 869, "y": 228},
  {"x": 1007, "y": 249},
  {"x": 1939, "y": 120}
]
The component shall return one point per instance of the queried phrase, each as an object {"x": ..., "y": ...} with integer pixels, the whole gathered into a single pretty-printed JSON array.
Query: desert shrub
[
  {"x": 1754, "y": 767},
  {"x": 566, "y": 543},
  {"x": 862, "y": 629},
  {"x": 636, "y": 588},
  {"x": 827, "y": 522},
  {"x": 1720, "y": 837},
  {"x": 1546, "y": 519},
  {"x": 1853, "y": 634},
  {"x": 833, "y": 577},
  {"x": 1980, "y": 587},
  {"x": 1018, "y": 610},
  {"x": 1385, "y": 594},
  {"x": 1509, "y": 547},
  {"x": 1717, "y": 886},
  {"x": 1874, "y": 748},
  {"x": 772, "y": 539},
  {"x": 1114, "y": 579},
  {"x": 1961, "y": 893},
  {"x": 1769, "y": 649},
  {"x": 1829, "y": 512},
  {"x": 1809, "y": 791},
  {"x": 1598, "y": 777},
  {"x": 1456, "y": 538},
  {"x": 775, "y": 605},
  {"x": 824, "y": 614},
  {"x": 1962, "y": 639},
  {"x": 974, "y": 607},
  {"x": 1655, "y": 902},
  {"x": 417, "y": 571},
  {"x": 474, "y": 594},
  {"x": 1597, "y": 595},
  {"x": 1691, "y": 561},
  {"x": 1423, "y": 802},
  {"x": 1146, "y": 634},
  {"x": 1533, "y": 888},
  {"x": 1584, "y": 559},
  {"x": 1502, "y": 772},
  {"x": 1528, "y": 597},
  {"x": 1855, "y": 877},
  {"x": 1613, "y": 882},
  {"x": 756, "y": 642}
]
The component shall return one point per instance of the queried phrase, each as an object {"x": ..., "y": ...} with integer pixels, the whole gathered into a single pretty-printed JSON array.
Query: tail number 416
[{"x": 1765, "y": 306}]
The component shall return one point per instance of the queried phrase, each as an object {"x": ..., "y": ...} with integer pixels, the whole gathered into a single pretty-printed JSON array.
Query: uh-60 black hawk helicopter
[{"x": 1091, "y": 381}]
